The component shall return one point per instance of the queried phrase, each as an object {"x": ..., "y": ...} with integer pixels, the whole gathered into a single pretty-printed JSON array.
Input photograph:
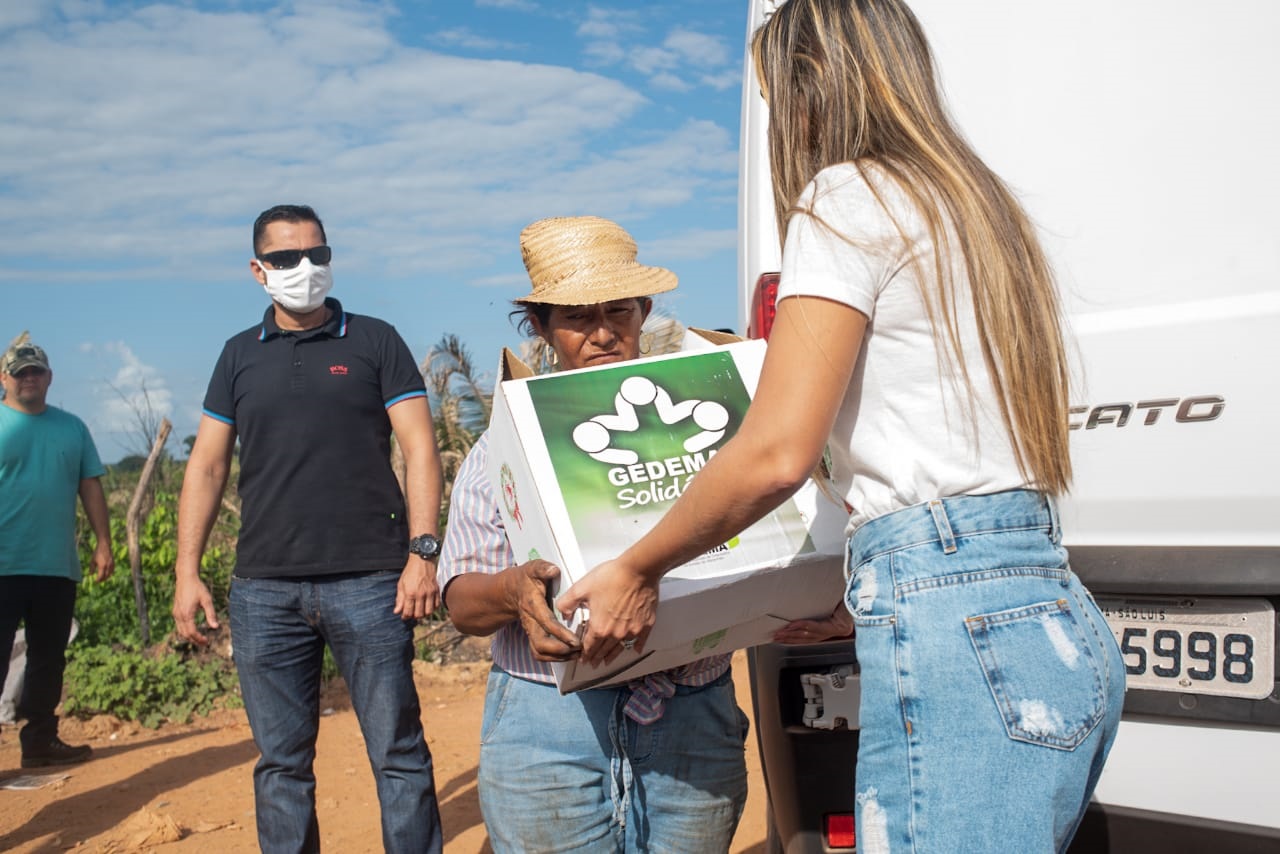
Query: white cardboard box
[{"x": 588, "y": 461}]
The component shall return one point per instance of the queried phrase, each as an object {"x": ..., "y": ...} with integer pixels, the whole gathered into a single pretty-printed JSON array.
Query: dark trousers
[{"x": 45, "y": 604}]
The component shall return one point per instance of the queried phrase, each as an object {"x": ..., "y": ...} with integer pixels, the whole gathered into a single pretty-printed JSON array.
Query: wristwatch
[{"x": 425, "y": 546}]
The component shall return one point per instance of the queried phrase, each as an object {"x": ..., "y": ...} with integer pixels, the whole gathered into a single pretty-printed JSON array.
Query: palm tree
[{"x": 460, "y": 405}]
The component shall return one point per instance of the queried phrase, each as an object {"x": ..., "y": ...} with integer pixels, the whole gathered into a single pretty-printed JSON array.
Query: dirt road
[{"x": 188, "y": 788}]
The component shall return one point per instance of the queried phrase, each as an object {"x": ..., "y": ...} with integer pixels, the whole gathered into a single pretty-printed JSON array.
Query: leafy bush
[
  {"x": 149, "y": 689},
  {"x": 107, "y": 611},
  {"x": 106, "y": 671}
]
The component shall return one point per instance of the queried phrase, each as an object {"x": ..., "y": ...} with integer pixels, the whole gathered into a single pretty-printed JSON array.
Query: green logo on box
[
  {"x": 632, "y": 436},
  {"x": 710, "y": 641},
  {"x": 626, "y": 441}
]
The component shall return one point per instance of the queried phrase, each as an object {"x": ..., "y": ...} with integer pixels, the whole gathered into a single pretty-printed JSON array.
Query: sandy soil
[{"x": 188, "y": 787}]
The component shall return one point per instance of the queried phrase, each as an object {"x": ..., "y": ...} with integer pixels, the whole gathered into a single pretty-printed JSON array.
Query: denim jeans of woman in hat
[{"x": 576, "y": 774}]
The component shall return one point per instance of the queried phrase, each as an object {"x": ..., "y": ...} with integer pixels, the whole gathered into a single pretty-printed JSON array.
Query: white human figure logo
[{"x": 595, "y": 436}]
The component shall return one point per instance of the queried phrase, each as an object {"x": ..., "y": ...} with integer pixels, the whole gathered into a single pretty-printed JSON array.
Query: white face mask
[{"x": 299, "y": 289}]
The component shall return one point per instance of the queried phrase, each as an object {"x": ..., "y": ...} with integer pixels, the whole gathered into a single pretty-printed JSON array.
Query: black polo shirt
[{"x": 310, "y": 408}]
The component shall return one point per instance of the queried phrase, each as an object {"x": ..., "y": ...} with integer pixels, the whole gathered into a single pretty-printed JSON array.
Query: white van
[{"x": 1141, "y": 136}]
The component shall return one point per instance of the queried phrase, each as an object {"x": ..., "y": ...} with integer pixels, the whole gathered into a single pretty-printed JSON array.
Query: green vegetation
[
  {"x": 107, "y": 611},
  {"x": 135, "y": 686},
  {"x": 107, "y": 669}
]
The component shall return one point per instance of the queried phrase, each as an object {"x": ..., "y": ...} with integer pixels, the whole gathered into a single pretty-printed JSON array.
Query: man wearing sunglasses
[
  {"x": 331, "y": 551},
  {"x": 47, "y": 460}
]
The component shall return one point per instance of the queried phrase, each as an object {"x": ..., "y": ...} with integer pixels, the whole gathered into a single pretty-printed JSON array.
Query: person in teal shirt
[{"x": 47, "y": 459}]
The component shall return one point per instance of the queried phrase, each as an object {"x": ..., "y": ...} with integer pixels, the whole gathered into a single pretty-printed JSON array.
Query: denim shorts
[{"x": 991, "y": 684}]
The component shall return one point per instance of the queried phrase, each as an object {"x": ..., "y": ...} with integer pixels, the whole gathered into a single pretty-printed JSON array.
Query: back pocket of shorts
[{"x": 1041, "y": 671}]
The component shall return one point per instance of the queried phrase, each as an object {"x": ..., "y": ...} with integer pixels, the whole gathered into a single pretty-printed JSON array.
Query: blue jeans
[
  {"x": 572, "y": 773},
  {"x": 279, "y": 628},
  {"x": 991, "y": 684}
]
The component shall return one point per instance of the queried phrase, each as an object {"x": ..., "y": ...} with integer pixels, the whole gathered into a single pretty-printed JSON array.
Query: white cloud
[
  {"x": 465, "y": 38},
  {"x": 693, "y": 243},
  {"x": 730, "y": 78},
  {"x": 684, "y": 60},
  {"x": 507, "y": 281},
  {"x": 608, "y": 23},
  {"x": 517, "y": 5},
  {"x": 134, "y": 399},
  {"x": 697, "y": 48},
  {"x": 650, "y": 60},
  {"x": 21, "y": 13},
  {"x": 670, "y": 82},
  {"x": 166, "y": 128},
  {"x": 605, "y": 53}
]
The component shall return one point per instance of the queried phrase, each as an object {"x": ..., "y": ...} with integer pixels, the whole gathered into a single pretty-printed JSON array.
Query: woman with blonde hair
[{"x": 918, "y": 337}]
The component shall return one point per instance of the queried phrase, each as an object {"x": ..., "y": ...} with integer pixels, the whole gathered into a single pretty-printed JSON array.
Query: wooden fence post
[{"x": 133, "y": 522}]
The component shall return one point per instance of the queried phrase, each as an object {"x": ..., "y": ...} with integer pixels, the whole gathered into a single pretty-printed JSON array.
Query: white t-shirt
[{"x": 908, "y": 431}]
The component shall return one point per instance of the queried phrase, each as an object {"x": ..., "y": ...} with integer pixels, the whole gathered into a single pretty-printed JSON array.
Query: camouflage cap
[{"x": 24, "y": 356}]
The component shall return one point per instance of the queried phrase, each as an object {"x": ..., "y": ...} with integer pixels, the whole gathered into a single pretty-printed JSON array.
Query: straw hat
[{"x": 585, "y": 260}]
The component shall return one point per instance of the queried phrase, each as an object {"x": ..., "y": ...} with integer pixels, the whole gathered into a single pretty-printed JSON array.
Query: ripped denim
[{"x": 991, "y": 684}]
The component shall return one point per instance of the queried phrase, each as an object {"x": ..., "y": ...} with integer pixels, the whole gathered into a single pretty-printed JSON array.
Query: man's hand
[
  {"x": 527, "y": 589},
  {"x": 623, "y": 605},
  {"x": 190, "y": 595},
  {"x": 417, "y": 594},
  {"x": 104, "y": 562},
  {"x": 838, "y": 625}
]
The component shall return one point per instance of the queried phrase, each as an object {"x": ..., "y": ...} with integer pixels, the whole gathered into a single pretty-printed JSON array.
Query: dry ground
[{"x": 188, "y": 788}]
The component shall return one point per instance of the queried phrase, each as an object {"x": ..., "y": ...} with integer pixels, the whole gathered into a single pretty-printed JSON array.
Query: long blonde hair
[{"x": 852, "y": 81}]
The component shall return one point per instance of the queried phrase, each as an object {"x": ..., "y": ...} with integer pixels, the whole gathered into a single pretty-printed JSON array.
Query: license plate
[{"x": 1219, "y": 646}]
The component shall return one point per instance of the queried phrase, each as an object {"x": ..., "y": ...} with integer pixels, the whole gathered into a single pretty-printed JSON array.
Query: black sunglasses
[{"x": 287, "y": 259}]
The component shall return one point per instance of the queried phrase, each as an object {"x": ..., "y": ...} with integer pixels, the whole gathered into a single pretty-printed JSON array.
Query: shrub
[
  {"x": 107, "y": 611},
  {"x": 150, "y": 689}
]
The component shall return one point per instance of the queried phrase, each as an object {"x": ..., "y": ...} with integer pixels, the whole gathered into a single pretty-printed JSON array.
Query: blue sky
[{"x": 139, "y": 140}]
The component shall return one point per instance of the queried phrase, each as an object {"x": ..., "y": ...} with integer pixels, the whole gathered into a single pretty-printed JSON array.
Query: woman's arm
[{"x": 811, "y": 356}]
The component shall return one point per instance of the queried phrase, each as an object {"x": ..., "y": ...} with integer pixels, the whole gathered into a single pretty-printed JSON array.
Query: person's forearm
[
  {"x": 806, "y": 372},
  {"x": 738, "y": 487},
  {"x": 480, "y": 604},
  {"x": 95, "y": 508},
  {"x": 423, "y": 491},
  {"x": 423, "y": 480},
  {"x": 198, "y": 504}
]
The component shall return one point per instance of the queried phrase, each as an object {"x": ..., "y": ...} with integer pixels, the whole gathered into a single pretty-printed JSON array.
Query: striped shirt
[{"x": 476, "y": 541}]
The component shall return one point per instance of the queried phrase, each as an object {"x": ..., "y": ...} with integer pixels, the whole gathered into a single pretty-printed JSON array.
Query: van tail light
[
  {"x": 764, "y": 305},
  {"x": 840, "y": 832}
]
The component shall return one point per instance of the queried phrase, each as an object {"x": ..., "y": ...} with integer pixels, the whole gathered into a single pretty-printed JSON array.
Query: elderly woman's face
[{"x": 585, "y": 335}]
